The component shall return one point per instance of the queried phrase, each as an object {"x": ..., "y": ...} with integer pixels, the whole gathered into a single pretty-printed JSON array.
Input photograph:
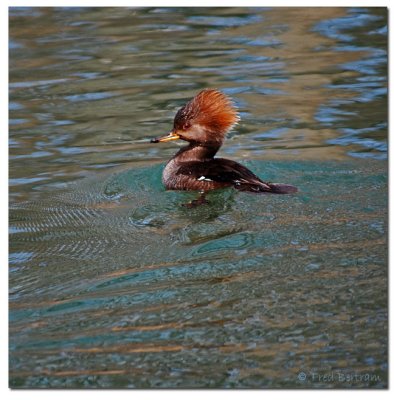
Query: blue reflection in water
[{"x": 367, "y": 86}]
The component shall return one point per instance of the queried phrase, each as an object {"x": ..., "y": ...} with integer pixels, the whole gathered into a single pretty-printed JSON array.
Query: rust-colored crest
[{"x": 209, "y": 108}]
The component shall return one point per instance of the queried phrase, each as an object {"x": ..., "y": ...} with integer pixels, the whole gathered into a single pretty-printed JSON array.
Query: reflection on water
[{"x": 113, "y": 283}]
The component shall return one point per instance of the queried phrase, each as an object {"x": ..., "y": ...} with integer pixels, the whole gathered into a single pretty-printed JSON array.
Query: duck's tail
[
  {"x": 268, "y": 188},
  {"x": 282, "y": 188}
]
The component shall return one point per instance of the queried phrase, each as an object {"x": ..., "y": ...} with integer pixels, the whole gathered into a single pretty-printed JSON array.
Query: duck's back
[{"x": 217, "y": 173}]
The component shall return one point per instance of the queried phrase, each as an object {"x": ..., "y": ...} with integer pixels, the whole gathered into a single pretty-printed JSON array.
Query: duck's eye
[{"x": 186, "y": 125}]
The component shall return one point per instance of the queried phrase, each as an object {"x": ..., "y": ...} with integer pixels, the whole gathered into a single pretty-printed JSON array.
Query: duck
[{"x": 203, "y": 123}]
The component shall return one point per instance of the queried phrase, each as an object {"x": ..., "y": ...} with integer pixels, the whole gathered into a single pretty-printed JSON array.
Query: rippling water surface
[{"x": 114, "y": 284}]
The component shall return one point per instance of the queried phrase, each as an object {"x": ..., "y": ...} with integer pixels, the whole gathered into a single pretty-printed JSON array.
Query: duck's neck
[{"x": 197, "y": 152}]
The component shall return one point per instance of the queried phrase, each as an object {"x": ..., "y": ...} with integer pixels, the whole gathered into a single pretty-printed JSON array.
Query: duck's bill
[{"x": 166, "y": 138}]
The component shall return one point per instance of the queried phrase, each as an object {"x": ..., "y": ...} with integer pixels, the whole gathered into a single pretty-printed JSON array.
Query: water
[{"x": 113, "y": 283}]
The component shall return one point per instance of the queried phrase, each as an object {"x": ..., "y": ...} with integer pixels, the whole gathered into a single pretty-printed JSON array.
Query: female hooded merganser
[{"x": 204, "y": 122}]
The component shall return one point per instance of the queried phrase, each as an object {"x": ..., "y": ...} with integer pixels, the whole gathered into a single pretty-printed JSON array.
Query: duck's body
[{"x": 203, "y": 122}]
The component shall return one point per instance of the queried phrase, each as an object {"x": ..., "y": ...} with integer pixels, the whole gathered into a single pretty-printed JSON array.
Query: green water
[{"x": 114, "y": 284}]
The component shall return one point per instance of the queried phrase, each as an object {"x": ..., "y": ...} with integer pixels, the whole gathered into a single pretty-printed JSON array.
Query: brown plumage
[
  {"x": 203, "y": 122},
  {"x": 211, "y": 109}
]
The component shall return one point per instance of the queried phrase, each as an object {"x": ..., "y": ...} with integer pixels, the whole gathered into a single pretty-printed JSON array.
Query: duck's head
[{"x": 205, "y": 119}]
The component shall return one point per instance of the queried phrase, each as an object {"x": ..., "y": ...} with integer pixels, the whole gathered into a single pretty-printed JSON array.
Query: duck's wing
[{"x": 231, "y": 173}]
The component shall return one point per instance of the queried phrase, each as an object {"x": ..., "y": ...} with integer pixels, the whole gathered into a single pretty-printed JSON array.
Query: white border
[{"x": 200, "y": 3}]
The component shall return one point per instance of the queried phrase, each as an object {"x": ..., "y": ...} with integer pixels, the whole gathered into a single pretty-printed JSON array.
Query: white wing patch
[{"x": 203, "y": 178}]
